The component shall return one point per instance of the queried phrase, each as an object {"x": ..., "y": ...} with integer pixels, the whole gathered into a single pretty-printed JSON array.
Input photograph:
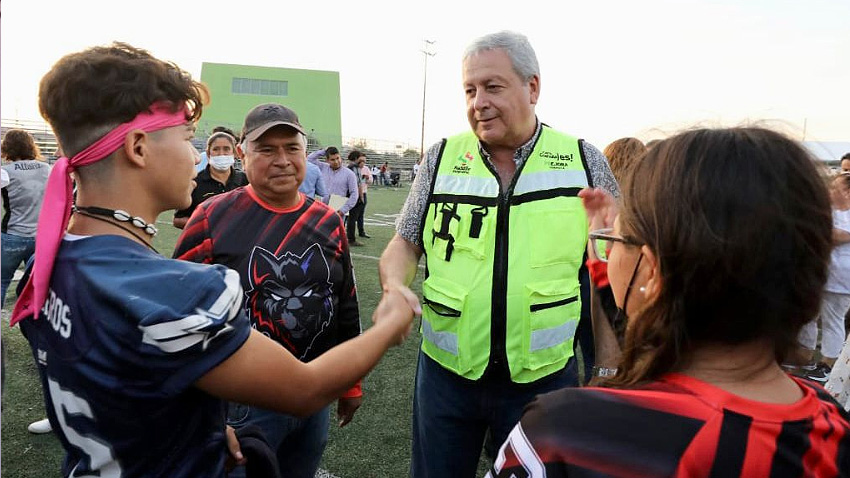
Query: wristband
[{"x": 598, "y": 273}]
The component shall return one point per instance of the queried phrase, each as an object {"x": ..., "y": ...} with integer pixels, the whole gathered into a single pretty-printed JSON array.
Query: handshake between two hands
[{"x": 397, "y": 308}]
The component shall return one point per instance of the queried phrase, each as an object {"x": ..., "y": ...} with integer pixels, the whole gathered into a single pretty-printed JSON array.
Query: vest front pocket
[
  {"x": 555, "y": 236},
  {"x": 443, "y": 325},
  {"x": 551, "y": 316}
]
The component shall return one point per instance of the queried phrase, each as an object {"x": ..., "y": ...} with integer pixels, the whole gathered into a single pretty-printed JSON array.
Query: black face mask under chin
[{"x": 621, "y": 319}]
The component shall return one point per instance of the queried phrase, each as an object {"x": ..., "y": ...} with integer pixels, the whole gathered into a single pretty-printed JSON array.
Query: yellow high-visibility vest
[{"x": 504, "y": 264}]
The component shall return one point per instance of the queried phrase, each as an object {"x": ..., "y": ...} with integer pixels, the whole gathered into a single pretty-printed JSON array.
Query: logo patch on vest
[
  {"x": 557, "y": 160},
  {"x": 464, "y": 160}
]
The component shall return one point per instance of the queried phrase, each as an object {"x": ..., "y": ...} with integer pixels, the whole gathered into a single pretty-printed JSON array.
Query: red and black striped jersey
[
  {"x": 676, "y": 427},
  {"x": 294, "y": 265}
]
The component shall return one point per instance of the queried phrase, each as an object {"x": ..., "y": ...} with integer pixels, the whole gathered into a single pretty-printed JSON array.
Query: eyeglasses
[{"x": 601, "y": 242}]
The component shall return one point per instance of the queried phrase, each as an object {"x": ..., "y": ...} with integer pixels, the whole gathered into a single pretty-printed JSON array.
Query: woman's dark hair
[
  {"x": 224, "y": 129},
  {"x": 740, "y": 222},
  {"x": 87, "y": 94},
  {"x": 354, "y": 155},
  {"x": 19, "y": 144},
  {"x": 220, "y": 134},
  {"x": 622, "y": 153}
]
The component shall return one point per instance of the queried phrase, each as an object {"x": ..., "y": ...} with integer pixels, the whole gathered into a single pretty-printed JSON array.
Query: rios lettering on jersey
[{"x": 58, "y": 314}]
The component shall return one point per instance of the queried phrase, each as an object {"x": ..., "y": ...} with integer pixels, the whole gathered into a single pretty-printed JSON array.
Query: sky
[{"x": 609, "y": 69}]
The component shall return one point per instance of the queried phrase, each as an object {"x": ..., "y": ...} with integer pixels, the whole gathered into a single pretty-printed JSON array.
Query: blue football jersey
[{"x": 119, "y": 342}]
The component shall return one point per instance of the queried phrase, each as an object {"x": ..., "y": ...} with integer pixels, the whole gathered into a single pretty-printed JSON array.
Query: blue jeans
[
  {"x": 452, "y": 416},
  {"x": 298, "y": 442},
  {"x": 15, "y": 251}
]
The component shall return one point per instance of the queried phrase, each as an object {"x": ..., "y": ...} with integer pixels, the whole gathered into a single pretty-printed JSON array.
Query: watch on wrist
[{"x": 604, "y": 372}]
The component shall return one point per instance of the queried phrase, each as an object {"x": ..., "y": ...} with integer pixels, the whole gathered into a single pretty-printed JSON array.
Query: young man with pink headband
[{"x": 136, "y": 351}]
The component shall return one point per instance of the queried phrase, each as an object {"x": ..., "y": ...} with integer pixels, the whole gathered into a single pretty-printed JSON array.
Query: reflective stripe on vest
[
  {"x": 469, "y": 185},
  {"x": 544, "y": 180},
  {"x": 546, "y": 338},
  {"x": 444, "y": 340}
]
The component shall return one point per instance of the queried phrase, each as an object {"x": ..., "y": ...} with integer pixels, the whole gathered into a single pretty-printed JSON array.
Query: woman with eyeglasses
[{"x": 717, "y": 258}]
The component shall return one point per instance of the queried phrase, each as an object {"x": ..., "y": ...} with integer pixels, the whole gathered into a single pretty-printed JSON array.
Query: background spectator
[
  {"x": 836, "y": 296},
  {"x": 22, "y": 200},
  {"x": 622, "y": 153},
  {"x": 218, "y": 177}
]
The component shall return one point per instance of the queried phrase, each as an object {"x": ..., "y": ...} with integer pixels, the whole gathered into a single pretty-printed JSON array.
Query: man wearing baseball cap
[{"x": 293, "y": 260}]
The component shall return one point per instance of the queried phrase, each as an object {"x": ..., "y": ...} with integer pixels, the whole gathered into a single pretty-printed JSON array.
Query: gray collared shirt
[{"x": 413, "y": 213}]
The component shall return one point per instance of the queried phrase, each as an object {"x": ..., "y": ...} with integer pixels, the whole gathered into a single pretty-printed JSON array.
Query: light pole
[{"x": 427, "y": 53}]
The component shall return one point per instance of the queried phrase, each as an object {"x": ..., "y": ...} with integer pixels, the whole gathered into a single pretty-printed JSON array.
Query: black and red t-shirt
[
  {"x": 294, "y": 265},
  {"x": 676, "y": 427}
]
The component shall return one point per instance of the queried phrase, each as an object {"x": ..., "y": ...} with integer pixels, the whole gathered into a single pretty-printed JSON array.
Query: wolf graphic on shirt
[{"x": 291, "y": 296}]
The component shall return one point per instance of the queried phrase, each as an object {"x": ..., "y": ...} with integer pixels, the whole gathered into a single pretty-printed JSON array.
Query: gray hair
[{"x": 517, "y": 47}]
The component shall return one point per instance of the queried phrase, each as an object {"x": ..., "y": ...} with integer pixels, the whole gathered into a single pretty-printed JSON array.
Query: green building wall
[{"x": 313, "y": 94}]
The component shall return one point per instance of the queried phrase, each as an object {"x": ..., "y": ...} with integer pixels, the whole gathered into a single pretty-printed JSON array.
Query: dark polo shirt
[{"x": 209, "y": 187}]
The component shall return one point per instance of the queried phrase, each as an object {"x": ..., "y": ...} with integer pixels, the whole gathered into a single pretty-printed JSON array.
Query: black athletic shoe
[
  {"x": 367, "y": 236},
  {"x": 820, "y": 374}
]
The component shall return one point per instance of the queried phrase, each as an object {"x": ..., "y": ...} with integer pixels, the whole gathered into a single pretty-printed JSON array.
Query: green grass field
[{"x": 375, "y": 444}]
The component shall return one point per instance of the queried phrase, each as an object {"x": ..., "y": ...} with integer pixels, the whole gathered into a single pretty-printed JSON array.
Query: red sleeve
[
  {"x": 598, "y": 272},
  {"x": 194, "y": 243},
  {"x": 355, "y": 391}
]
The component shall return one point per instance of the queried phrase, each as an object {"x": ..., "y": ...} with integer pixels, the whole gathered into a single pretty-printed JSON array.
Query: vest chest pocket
[
  {"x": 443, "y": 328},
  {"x": 555, "y": 236},
  {"x": 445, "y": 230},
  {"x": 461, "y": 229},
  {"x": 551, "y": 316},
  {"x": 475, "y": 232}
]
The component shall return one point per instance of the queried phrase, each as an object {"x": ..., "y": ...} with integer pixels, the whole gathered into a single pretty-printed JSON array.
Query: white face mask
[{"x": 221, "y": 163}]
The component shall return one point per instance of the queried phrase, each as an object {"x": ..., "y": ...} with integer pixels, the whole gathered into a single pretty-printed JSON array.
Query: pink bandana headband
[{"x": 56, "y": 208}]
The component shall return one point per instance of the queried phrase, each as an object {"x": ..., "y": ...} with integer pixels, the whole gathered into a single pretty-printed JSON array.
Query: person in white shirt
[{"x": 836, "y": 298}]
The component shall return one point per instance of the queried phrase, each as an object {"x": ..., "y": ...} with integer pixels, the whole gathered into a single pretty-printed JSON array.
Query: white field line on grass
[{"x": 325, "y": 474}]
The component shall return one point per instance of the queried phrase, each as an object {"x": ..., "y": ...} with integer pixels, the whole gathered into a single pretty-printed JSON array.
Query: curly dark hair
[
  {"x": 741, "y": 224},
  {"x": 87, "y": 94},
  {"x": 19, "y": 144}
]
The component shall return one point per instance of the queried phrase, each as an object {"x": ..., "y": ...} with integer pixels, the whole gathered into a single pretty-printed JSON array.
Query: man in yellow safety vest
[{"x": 495, "y": 211}]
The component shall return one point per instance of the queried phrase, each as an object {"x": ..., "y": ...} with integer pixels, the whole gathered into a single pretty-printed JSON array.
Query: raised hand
[{"x": 600, "y": 206}]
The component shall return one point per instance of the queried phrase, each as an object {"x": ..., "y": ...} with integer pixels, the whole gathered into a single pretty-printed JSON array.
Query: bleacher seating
[
  {"x": 41, "y": 132},
  {"x": 47, "y": 144}
]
